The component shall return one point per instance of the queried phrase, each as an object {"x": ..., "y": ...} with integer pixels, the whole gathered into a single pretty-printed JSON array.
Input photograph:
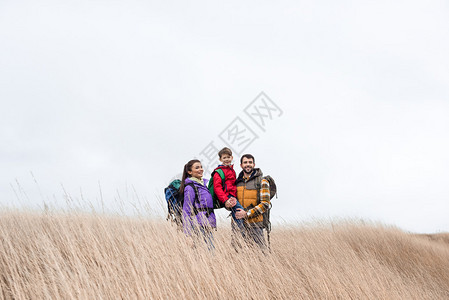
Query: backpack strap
[
  {"x": 196, "y": 209},
  {"x": 197, "y": 197},
  {"x": 258, "y": 187},
  {"x": 222, "y": 176},
  {"x": 217, "y": 203}
]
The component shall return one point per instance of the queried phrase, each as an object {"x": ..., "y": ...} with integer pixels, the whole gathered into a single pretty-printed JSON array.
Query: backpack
[
  {"x": 210, "y": 187},
  {"x": 175, "y": 201}
]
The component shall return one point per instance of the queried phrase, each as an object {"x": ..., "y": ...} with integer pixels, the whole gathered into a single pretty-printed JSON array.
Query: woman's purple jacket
[{"x": 204, "y": 201}]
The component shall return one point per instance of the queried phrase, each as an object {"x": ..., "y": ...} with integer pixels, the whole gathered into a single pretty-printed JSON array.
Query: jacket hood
[
  {"x": 225, "y": 167},
  {"x": 256, "y": 172},
  {"x": 188, "y": 180}
]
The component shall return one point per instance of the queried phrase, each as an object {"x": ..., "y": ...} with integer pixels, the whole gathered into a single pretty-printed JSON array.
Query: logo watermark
[{"x": 238, "y": 135}]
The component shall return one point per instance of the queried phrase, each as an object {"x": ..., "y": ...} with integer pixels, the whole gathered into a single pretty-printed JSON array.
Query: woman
[{"x": 197, "y": 212}]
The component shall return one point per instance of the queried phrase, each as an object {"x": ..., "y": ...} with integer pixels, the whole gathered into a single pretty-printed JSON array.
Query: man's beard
[{"x": 248, "y": 172}]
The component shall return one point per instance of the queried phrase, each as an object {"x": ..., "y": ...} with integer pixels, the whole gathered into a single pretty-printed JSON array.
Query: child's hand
[{"x": 231, "y": 202}]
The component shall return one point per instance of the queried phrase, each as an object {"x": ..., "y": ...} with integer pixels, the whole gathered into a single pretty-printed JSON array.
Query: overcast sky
[{"x": 121, "y": 94}]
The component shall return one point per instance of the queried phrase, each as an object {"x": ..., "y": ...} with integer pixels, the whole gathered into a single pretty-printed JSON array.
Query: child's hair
[
  {"x": 248, "y": 156},
  {"x": 224, "y": 151},
  {"x": 185, "y": 174}
]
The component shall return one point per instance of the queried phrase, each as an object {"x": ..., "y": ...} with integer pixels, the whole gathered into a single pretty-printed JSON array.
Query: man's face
[
  {"x": 247, "y": 165},
  {"x": 226, "y": 159}
]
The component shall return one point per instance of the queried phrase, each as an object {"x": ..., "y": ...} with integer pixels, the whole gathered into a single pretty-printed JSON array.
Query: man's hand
[
  {"x": 240, "y": 214},
  {"x": 231, "y": 202}
]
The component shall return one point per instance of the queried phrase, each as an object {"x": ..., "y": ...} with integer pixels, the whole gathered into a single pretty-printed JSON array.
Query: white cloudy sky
[{"x": 122, "y": 94}]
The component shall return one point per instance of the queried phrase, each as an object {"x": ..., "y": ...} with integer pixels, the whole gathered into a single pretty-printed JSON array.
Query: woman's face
[{"x": 197, "y": 170}]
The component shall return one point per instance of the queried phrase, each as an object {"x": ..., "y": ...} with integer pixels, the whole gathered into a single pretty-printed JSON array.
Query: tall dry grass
[{"x": 88, "y": 256}]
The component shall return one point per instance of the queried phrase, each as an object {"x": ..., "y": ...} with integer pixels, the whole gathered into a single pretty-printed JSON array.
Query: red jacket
[{"x": 230, "y": 189}]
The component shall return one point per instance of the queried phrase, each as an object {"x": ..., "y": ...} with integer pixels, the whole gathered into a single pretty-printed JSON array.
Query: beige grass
[{"x": 76, "y": 256}]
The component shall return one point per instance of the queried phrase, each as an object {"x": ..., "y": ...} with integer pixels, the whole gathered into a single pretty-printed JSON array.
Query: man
[{"x": 253, "y": 193}]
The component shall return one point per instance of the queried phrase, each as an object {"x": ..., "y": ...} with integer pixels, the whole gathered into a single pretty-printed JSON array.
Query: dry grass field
[{"x": 89, "y": 256}]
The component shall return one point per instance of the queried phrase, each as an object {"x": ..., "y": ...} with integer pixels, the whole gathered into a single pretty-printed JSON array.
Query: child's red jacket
[{"x": 224, "y": 192}]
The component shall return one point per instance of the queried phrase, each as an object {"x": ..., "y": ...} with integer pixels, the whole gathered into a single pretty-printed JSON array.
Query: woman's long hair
[{"x": 185, "y": 175}]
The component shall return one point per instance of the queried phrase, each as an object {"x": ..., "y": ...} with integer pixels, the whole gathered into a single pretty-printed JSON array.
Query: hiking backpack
[
  {"x": 210, "y": 187},
  {"x": 175, "y": 202}
]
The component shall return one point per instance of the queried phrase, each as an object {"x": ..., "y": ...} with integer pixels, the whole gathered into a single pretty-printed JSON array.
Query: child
[{"x": 228, "y": 192}]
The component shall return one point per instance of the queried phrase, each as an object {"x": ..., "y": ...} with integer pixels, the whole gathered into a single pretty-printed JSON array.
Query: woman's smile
[{"x": 197, "y": 170}]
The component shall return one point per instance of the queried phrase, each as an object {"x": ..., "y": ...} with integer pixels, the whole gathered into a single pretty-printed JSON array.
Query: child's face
[{"x": 226, "y": 159}]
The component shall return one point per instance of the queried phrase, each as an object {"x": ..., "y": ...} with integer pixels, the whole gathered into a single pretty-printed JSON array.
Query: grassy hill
[{"x": 63, "y": 256}]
